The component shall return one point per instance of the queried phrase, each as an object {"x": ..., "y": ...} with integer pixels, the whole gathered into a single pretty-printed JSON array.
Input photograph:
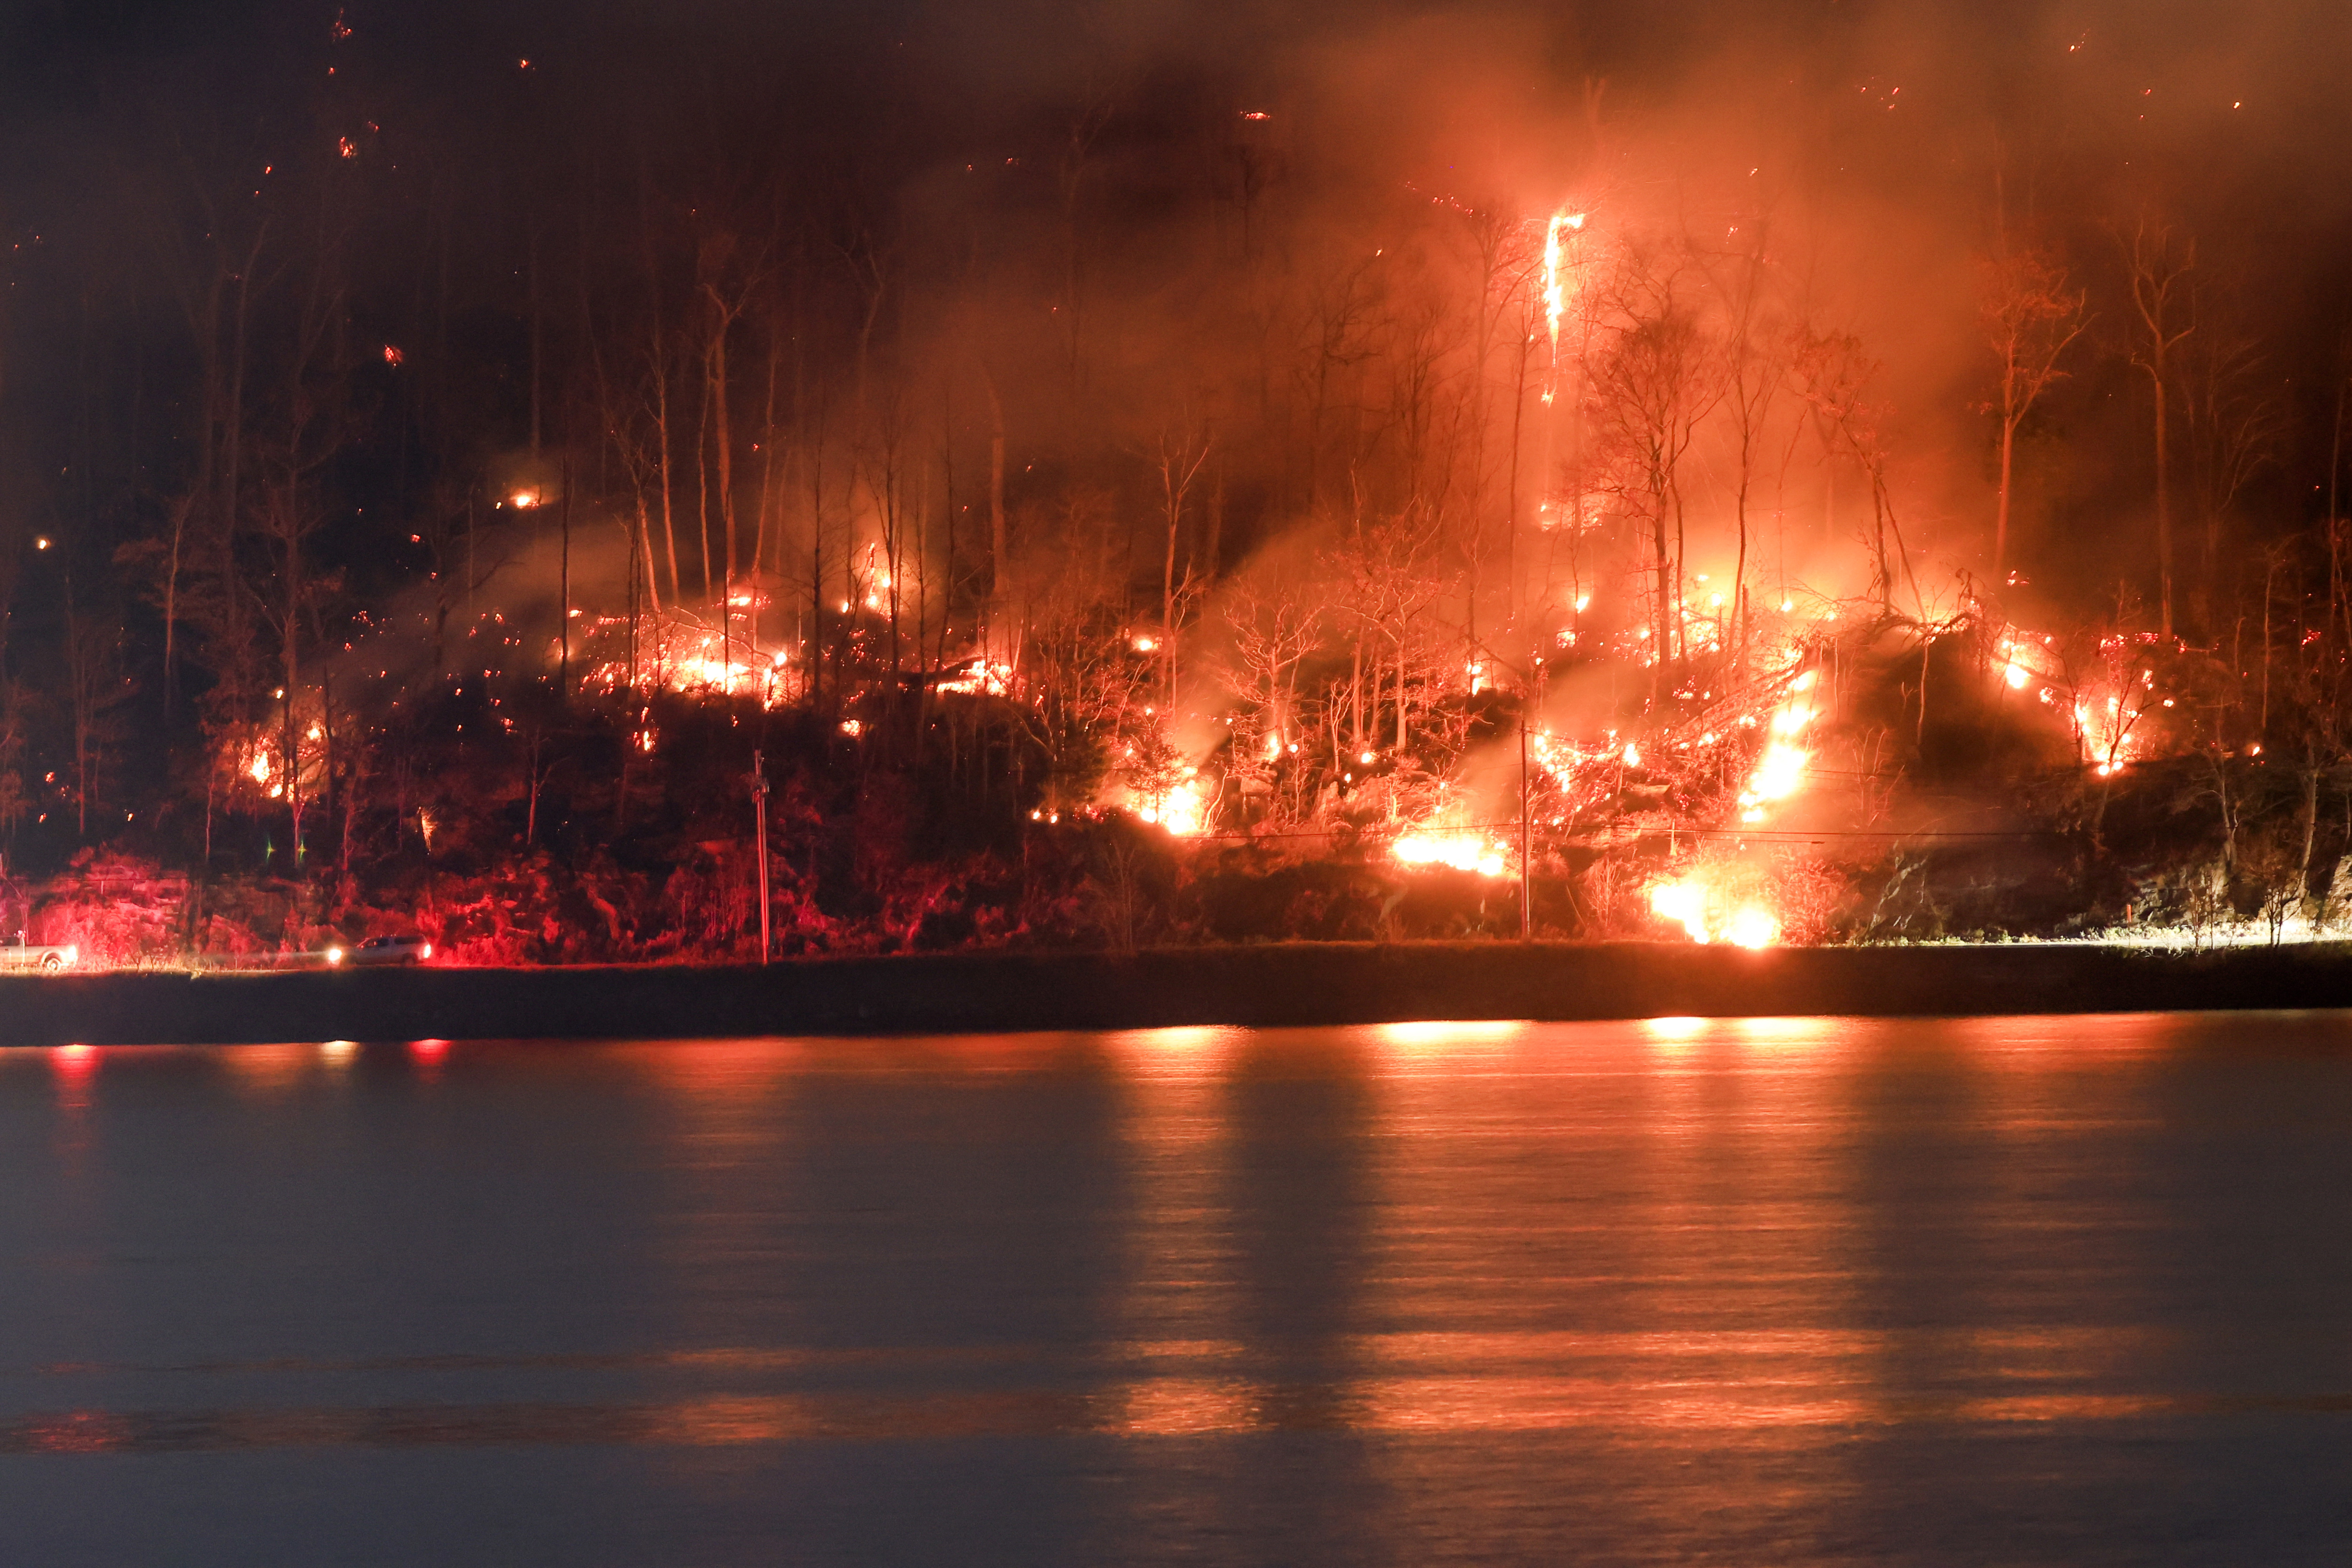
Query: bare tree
[
  {"x": 2029, "y": 317},
  {"x": 1757, "y": 365},
  {"x": 1176, "y": 461},
  {"x": 2161, "y": 264},
  {"x": 1831, "y": 374},
  {"x": 1656, "y": 380},
  {"x": 1385, "y": 576},
  {"x": 1275, "y": 628},
  {"x": 96, "y": 690},
  {"x": 2232, "y": 424}
]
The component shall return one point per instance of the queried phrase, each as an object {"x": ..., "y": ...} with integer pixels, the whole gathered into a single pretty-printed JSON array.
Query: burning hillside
[{"x": 1399, "y": 484}]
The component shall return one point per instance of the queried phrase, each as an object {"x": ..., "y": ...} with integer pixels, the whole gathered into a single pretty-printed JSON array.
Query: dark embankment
[{"x": 1295, "y": 984}]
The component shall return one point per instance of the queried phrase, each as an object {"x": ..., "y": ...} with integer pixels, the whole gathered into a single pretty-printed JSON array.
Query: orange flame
[{"x": 1693, "y": 903}]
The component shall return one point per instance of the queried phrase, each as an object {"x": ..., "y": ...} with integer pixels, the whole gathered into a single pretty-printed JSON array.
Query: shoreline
[{"x": 1286, "y": 985}]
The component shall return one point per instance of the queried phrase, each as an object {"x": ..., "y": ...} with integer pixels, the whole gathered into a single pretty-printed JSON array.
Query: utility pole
[{"x": 760, "y": 818}]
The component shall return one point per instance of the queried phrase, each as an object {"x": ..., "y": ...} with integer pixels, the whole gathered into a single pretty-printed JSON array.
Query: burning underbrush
[
  {"x": 1319, "y": 742},
  {"x": 1879, "y": 778},
  {"x": 1722, "y": 893},
  {"x": 1355, "y": 544}
]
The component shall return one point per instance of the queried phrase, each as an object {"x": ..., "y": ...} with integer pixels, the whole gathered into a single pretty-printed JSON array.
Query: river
[{"x": 2018, "y": 1290}]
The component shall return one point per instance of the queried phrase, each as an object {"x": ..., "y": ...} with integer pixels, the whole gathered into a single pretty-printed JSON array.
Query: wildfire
[
  {"x": 1182, "y": 811},
  {"x": 2018, "y": 669},
  {"x": 1583, "y": 774},
  {"x": 1780, "y": 771},
  {"x": 1554, "y": 281},
  {"x": 679, "y": 654},
  {"x": 1684, "y": 903},
  {"x": 1694, "y": 905},
  {"x": 2109, "y": 707},
  {"x": 1461, "y": 851},
  {"x": 1555, "y": 287},
  {"x": 984, "y": 677},
  {"x": 1555, "y": 290}
]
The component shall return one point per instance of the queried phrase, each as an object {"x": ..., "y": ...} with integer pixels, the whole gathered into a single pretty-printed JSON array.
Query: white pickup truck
[{"x": 16, "y": 953}]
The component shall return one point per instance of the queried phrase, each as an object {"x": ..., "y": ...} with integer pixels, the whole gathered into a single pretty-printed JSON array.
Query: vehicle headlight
[
  {"x": 427, "y": 951},
  {"x": 73, "y": 953},
  {"x": 334, "y": 956}
]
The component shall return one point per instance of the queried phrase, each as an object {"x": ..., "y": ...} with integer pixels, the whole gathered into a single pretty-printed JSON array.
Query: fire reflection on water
[
  {"x": 1448, "y": 1177},
  {"x": 1680, "y": 1239}
]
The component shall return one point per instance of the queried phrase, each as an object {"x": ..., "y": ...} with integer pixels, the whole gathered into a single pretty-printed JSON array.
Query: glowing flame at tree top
[
  {"x": 1555, "y": 292},
  {"x": 1555, "y": 286}
]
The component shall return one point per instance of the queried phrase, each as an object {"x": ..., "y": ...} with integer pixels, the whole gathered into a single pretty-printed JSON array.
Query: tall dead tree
[
  {"x": 2160, "y": 264},
  {"x": 1756, "y": 373},
  {"x": 1648, "y": 388},
  {"x": 1177, "y": 460},
  {"x": 2231, "y": 422},
  {"x": 2029, "y": 317}
]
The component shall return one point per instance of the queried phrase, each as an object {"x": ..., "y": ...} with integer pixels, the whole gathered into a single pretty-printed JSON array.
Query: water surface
[{"x": 2014, "y": 1290}]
